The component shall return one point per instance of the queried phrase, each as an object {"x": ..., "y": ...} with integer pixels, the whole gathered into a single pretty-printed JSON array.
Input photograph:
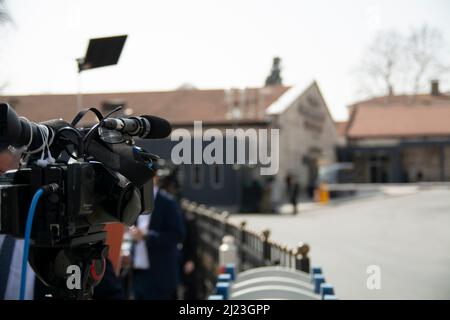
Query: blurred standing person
[
  {"x": 292, "y": 191},
  {"x": 189, "y": 272},
  {"x": 188, "y": 252},
  {"x": 266, "y": 204},
  {"x": 288, "y": 182},
  {"x": 257, "y": 192},
  {"x": 168, "y": 180},
  {"x": 156, "y": 256},
  {"x": 110, "y": 287},
  {"x": 295, "y": 190}
]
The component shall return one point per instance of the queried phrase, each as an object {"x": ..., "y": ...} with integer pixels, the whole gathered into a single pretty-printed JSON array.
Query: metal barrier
[
  {"x": 254, "y": 249},
  {"x": 273, "y": 282}
]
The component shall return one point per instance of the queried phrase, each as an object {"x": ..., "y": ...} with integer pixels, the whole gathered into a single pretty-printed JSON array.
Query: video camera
[{"x": 86, "y": 177}]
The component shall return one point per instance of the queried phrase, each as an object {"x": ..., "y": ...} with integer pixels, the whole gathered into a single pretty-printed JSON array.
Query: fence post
[
  {"x": 266, "y": 246},
  {"x": 301, "y": 258},
  {"x": 224, "y": 217},
  {"x": 285, "y": 256},
  {"x": 275, "y": 254},
  {"x": 292, "y": 258},
  {"x": 242, "y": 226},
  {"x": 227, "y": 252}
]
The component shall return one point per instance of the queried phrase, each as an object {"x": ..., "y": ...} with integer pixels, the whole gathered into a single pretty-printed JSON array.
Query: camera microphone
[{"x": 146, "y": 127}]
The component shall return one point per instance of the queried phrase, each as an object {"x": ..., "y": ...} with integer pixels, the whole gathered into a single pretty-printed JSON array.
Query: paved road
[{"x": 407, "y": 236}]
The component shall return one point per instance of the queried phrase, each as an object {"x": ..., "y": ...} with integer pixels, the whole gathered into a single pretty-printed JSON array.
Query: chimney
[
  {"x": 243, "y": 101},
  {"x": 435, "y": 88}
]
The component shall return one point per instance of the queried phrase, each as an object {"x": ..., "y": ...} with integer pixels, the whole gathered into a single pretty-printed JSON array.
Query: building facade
[
  {"x": 307, "y": 135},
  {"x": 399, "y": 139}
]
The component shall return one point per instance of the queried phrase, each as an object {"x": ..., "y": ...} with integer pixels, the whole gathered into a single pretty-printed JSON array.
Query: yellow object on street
[{"x": 323, "y": 193}]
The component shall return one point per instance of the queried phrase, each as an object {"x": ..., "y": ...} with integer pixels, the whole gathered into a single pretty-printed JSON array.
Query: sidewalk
[
  {"x": 406, "y": 236},
  {"x": 363, "y": 192}
]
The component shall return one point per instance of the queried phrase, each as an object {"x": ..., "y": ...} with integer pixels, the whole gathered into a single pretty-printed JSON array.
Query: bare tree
[
  {"x": 423, "y": 47},
  {"x": 4, "y": 16},
  {"x": 382, "y": 61},
  {"x": 397, "y": 63}
]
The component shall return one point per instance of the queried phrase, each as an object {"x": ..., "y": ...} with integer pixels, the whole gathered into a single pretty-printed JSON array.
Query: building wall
[
  {"x": 447, "y": 163},
  {"x": 404, "y": 162},
  {"x": 307, "y": 131},
  {"x": 307, "y": 137},
  {"x": 361, "y": 171},
  {"x": 423, "y": 161},
  {"x": 227, "y": 192}
]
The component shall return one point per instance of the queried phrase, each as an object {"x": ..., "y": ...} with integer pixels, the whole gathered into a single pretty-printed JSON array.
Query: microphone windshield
[{"x": 159, "y": 128}]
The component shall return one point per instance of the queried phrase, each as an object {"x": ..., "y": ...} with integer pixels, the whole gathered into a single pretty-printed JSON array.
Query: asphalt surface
[{"x": 407, "y": 236}]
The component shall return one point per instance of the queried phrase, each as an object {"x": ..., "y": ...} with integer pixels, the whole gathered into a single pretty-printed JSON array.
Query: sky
[{"x": 209, "y": 44}]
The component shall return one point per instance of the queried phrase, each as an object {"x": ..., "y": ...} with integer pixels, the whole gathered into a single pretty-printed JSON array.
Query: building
[
  {"x": 341, "y": 128},
  {"x": 399, "y": 138},
  {"x": 307, "y": 133}
]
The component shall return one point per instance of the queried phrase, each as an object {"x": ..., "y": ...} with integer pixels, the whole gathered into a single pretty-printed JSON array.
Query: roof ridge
[
  {"x": 396, "y": 98},
  {"x": 136, "y": 92}
]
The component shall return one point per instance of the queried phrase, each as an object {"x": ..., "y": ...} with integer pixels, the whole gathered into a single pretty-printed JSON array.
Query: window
[{"x": 216, "y": 176}]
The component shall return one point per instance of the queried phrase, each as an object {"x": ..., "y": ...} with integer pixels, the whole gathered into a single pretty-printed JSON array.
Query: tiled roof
[
  {"x": 406, "y": 100},
  {"x": 179, "y": 106},
  {"x": 385, "y": 121}
]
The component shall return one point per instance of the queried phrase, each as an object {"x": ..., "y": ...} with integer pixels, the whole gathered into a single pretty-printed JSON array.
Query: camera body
[
  {"x": 97, "y": 175},
  {"x": 89, "y": 196},
  {"x": 57, "y": 215}
]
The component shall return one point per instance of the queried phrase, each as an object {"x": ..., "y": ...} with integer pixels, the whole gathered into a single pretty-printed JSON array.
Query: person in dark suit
[
  {"x": 189, "y": 259},
  {"x": 110, "y": 287},
  {"x": 155, "y": 252},
  {"x": 188, "y": 252}
]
